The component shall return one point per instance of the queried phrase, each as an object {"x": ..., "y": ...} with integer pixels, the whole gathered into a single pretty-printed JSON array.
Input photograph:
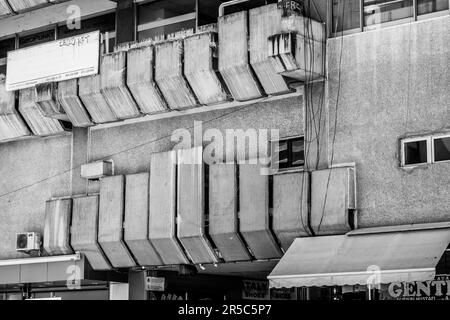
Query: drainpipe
[{"x": 227, "y": 4}]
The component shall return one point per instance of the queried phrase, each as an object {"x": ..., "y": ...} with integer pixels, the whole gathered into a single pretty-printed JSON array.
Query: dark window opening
[
  {"x": 289, "y": 153},
  {"x": 429, "y": 6},
  {"x": 346, "y": 15},
  {"x": 37, "y": 38},
  {"x": 416, "y": 152},
  {"x": 380, "y": 11},
  {"x": 442, "y": 149},
  {"x": 161, "y": 18}
]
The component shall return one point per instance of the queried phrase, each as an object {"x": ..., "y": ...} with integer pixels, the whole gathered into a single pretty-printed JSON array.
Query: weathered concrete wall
[
  {"x": 394, "y": 82},
  {"x": 25, "y": 185}
]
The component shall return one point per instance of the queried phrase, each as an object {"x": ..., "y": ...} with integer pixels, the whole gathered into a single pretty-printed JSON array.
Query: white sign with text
[{"x": 58, "y": 60}]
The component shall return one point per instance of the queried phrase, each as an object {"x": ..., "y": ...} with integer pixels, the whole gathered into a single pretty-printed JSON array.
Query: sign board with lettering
[
  {"x": 155, "y": 284},
  {"x": 58, "y": 60},
  {"x": 437, "y": 289},
  {"x": 255, "y": 290}
]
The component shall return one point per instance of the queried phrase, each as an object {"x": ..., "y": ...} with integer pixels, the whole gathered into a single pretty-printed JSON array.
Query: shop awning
[{"x": 375, "y": 255}]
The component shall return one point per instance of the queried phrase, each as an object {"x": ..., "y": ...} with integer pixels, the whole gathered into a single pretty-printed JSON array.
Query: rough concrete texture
[
  {"x": 394, "y": 83},
  {"x": 31, "y": 171}
]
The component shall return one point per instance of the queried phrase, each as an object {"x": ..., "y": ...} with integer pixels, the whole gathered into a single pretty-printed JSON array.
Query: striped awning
[{"x": 363, "y": 257}]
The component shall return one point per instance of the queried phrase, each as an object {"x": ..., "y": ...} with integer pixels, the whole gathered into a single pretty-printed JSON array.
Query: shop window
[
  {"x": 381, "y": 11},
  {"x": 415, "y": 151},
  {"x": 288, "y": 153},
  {"x": 429, "y": 6},
  {"x": 441, "y": 149},
  {"x": 160, "y": 18},
  {"x": 37, "y": 38},
  {"x": 346, "y": 15}
]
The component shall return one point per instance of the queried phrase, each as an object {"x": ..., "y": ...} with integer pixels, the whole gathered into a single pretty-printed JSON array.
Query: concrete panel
[
  {"x": 92, "y": 98},
  {"x": 234, "y": 62},
  {"x": 169, "y": 75},
  {"x": 58, "y": 216},
  {"x": 71, "y": 103},
  {"x": 47, "y": 101},
  {"x": 191, "y": 213},
  {"x": 162, "y": 225},
  {"x": 85, "y": 231},
  {"x": 11, "y": 123},
  {"x": 39, "y": 124},
  {"x": 25, "y": 5},
  {"x": 4, "y": 8},
  {"x": 290, "y": 207},
  {"x": 10, "y": 275},
  {"x": 110, "y": 231},
  {"x": 265, "y": 21},
  {"x": 223, "y": 216},
  {"x": 254, "y": 222},
  {"x": 199, "y": 64},
  {"x": 332, "y": 196},
  {"x": 137, "y": 220},
  {"x": 63, "y": 271},
  {"x": 114, "y": 85},
  {"x": 141, "y": 80},
  {"x": 33, "y": 273}
]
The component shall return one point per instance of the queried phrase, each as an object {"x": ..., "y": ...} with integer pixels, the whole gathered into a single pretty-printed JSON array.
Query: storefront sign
[
  {"x": 437, "y": 289},
  {"x": 155, "y": 284},
  {"x": 255, "y": 290},
  {"x": 283, "y": 294},
  {"x": 53, "y": 61}
]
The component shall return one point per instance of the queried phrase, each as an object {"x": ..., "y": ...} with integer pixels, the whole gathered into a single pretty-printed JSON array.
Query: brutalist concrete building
[{"x": 211, "y": 149}]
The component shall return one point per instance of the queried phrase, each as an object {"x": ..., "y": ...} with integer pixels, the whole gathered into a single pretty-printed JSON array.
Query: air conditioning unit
[{"x": 28, "y": 241}]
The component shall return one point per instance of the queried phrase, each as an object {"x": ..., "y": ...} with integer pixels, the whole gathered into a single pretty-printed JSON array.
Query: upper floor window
[
  {"x": 5, "y": 46},
  {"x": 429, "y": 6},
  {"x": 288, "y": 153},
  {"x": 37, "y": 38},
  {"x": 160, "y": 18},
  {"x": 423, "y": 150},
  {"x": 381, "y": 11}
]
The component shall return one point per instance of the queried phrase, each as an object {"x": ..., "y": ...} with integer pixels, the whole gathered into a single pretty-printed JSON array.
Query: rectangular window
[
  {"x": 160, "y": 18},
  {"x": 429, "y": 6},
  {"x": 5, "y": 46},
  {"x": 441, "y": 149},
  {"x": 36, "y": 38},
  {"x": 415, "y": 152},
  {"x": 346, "y": 15},
  {"x": 381, "y": 11},
  {"x": 288, "y": 153}
]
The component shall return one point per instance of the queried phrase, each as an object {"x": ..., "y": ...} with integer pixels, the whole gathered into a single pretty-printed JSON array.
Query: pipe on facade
[{"x": 227, "y": 4}]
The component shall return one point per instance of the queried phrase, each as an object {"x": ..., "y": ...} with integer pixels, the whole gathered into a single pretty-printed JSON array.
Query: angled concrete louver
[
  {"x": 111, "y": 215},
  {"x": 47, "y": 101},
  {"x": 223, "y": 215},
  {"x": 290, "y": 207},
  {"x": 170, "y": 77},
  {"x": 233, "y": 57},
  {"x": 84, "y": 231},
  {"x": 200, "y": 66},
  {"x": 11, "y": 123},
  {"x": 265, "y": 21},
  {"x": 94, "y": 101},
  {"x": 5, "y": 9},
  {"x": 58, "y": 216},
  {"x": 254, "y": 216},
  {"x": 25, "y": 5},
  {"x": 333, "y": 201},
  {"x": 114, "y": 85},
  {"x": 141, "y": 80},
  {"x": 191, "y": 206},
  {"x": 70, "y": 101},
  {"x": 39, "y": 124},
  {"x": 137, "y": 220},
  {"x": 163, "y": 209}
]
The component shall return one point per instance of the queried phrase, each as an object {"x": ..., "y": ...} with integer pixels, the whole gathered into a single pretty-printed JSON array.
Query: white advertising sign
[{"x": 58, "y": 60}]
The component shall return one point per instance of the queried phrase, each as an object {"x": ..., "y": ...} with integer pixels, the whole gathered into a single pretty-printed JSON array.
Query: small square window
[
  {"x": 288, "y": 153},
  {"x": 441, "y": 149},
  {"x": 415, "y": 152}
]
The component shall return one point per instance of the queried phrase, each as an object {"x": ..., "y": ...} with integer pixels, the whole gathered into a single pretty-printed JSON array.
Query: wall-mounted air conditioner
[{"x": 28, "y": 241}]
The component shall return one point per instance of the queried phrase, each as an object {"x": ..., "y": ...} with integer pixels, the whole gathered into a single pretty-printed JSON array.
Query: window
[
  {"x": 346, "y": 15},
  {"x": 429, "y": 149},
  {"x": 429, "y": 6},
  {"x": 415, "y": 151},
  {"x": 5, "y": 46},
  {"x": 381, "y": 11},
  {"x": 156, "y": 19},
  {"x": 37, "y": 38},
  {"x": 441, "y": 147},
  {"x": 288, "y": 153}
]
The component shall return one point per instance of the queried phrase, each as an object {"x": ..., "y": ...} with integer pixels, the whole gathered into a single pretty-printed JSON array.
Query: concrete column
[{"x": 80, "y": 138}]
